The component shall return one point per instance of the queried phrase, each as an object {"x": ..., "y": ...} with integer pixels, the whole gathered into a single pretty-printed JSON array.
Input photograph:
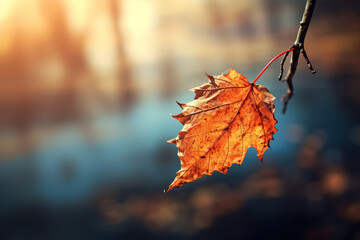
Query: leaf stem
[{"x": 272, "y": 60}]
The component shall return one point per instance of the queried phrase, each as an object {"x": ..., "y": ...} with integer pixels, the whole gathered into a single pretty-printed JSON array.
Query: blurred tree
[
  {"x": 69, "y": 50},
  {"x": 124, "y": 74},
  {"x": 167, "y": 63}
]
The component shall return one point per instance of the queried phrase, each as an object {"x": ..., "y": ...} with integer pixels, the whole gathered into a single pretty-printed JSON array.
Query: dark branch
[
  {"x": 298, "y": 47},
  {"x": 307, "y": 60},
  {"x": 282, "y": 65}
]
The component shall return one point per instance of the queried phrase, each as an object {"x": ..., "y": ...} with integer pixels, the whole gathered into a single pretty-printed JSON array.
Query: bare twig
[
  {"x": 307, "y": 60},
  {"x": 298, "y": 47},
  {"x": 282, "y": 65}
]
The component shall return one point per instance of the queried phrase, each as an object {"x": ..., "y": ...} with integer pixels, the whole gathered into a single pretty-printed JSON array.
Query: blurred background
[{"x": 86, "y": 91}]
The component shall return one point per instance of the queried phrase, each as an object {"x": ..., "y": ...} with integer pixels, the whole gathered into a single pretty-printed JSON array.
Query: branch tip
[
  {"x": 282, "y": 65},
  {"x": 302, "y": 50}
]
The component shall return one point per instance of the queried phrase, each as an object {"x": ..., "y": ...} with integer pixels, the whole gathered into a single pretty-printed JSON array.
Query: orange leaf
[{"x": 228, "y": 115}]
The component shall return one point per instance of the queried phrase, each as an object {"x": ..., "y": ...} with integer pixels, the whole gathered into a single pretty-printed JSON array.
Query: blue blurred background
[{"x": 86, "y": 91}]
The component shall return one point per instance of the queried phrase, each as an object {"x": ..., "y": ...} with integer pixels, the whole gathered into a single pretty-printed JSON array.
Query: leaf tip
[
  {"x": 181, "y": 104},
  {"x": 211, "y": 80},
  {"x": 172, "y": 141}
]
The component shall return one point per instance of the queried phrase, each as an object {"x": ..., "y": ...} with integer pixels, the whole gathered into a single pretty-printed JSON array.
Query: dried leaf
[{"x": 228, "y": 115}]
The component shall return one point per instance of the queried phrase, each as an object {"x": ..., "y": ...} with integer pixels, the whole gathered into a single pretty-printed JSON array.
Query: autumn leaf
[{"x": 228, "y": 115}]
